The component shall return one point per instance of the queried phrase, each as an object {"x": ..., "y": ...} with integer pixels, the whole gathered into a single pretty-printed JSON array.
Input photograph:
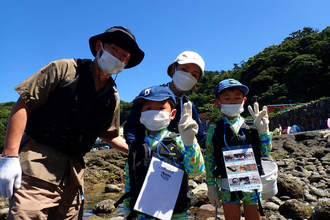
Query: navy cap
[
  {"x": 156, "y": 93},
  {"x": 230, "y": 83}
]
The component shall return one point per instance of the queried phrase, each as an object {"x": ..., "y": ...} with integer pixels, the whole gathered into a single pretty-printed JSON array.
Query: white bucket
[{"x": 269, "y": 180}]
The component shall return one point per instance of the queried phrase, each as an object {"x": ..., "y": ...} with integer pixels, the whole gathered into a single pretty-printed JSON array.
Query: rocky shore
[{"x": 303, "y": 182}]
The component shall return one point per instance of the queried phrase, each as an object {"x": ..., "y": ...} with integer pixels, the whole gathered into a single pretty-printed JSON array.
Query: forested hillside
[
  {"x": 5, "y": 109},
  {"x": 295, "y": 71}
]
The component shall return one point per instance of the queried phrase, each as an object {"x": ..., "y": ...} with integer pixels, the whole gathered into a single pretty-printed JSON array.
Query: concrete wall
[{"x": 309, "y": 117}]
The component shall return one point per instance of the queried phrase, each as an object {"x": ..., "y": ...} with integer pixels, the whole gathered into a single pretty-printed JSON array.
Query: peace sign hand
[
  {"x": 188, "y": 127},
  {"x": 261, "y": 120}
]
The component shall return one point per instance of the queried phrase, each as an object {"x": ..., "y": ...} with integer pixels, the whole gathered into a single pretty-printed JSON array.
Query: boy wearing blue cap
[
  {"x": 181, "y": 150},
  {"x": 231, "y": 132}
]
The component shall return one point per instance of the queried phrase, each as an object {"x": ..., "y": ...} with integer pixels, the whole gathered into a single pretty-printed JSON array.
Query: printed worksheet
[{"x": 241, "y": 168}]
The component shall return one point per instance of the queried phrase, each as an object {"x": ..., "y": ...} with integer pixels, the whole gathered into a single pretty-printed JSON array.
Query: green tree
[
  {"x": 5, "y": 109},
  {"x": 125, "y": 109}
]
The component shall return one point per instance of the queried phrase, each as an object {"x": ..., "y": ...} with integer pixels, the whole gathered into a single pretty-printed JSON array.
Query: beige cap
[{"x": 188, "y": 57}]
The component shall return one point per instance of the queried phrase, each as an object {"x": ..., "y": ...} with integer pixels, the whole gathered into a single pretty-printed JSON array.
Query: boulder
[
  {"x": 295, "y": 209},
  {"x": 112, "y": 188},
  {"x": 105, "y": 206},
  {"x": 290, "y": 186},
  {"x": 322, "y": 210}
]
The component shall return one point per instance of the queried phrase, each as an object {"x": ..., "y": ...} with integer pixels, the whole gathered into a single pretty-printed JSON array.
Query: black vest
[
  {"x": 232, "y": 139},
  {"x": 139, "y": 158},
  {"x": 74, "y": 114}
]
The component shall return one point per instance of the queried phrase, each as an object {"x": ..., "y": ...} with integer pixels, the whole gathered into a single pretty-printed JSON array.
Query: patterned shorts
[{"x": 248, "y": 198}]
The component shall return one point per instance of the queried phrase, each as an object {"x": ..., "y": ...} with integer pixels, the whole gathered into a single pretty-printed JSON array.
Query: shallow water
[
  {"x": 94, "y": 196},
  {"x": 87, "y": 213}
]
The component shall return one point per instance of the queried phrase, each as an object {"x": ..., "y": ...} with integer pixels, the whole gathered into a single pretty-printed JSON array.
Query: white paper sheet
[{"x": 160, "y": 189}]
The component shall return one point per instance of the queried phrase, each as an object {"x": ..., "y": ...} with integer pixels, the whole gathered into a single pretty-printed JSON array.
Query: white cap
[{"x": 189, "y": 57}]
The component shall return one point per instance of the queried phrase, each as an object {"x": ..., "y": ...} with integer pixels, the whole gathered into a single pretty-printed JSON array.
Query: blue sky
[{"x": 33, "y": 33}]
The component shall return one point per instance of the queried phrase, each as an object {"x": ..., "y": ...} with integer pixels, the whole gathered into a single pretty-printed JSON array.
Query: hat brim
[
  {"x": 169, "y": 68},
  {"x": 155, "y": 99},
  {"x": 244, "y": 89},
  {"x": 123, "y": 41}
]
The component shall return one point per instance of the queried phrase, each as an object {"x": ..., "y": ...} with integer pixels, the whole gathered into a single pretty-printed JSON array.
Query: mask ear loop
[{"x": 102, "y": 48}]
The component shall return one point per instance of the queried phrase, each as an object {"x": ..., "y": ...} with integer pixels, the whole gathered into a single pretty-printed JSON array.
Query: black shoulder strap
[{"x": 217, "y": 141}]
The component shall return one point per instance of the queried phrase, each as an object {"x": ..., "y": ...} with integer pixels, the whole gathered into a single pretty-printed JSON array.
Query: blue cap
[
  {"x": 156, "y": 93},
  {"x": 230, "y": 83}
]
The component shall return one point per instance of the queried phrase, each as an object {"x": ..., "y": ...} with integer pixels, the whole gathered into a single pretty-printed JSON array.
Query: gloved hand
[
  {"x": 10, "y": 175},
  {"x": 260, "y": 118},
  {"x": 188, "y": 127},
  {"x": 213, "y": 194}
]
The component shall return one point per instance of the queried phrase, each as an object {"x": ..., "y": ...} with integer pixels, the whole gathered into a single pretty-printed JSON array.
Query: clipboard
[{"x": 160, "y": 190}]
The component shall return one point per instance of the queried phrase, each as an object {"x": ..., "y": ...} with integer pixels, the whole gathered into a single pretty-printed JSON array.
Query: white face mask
[
  {"x": 108, "y": 63},
  {"x": 155, "y": 120},
  {"x": 183, "y": 81},
  {"x": 232, "y": 110}
]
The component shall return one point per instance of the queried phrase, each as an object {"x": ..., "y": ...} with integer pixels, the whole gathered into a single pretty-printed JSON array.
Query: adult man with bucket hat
[
  {"x": 185, "y": 71},
  {"x": 61, "y": 111}
]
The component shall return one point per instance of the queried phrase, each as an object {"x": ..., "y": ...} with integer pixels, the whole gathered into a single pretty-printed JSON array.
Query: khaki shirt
[{"x": 40, "y": 160}]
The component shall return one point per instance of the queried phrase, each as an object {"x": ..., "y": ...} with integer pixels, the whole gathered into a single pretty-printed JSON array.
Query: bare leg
[
  {"x": 251, "y": 212},
  {"x": 232, "y": 211}
]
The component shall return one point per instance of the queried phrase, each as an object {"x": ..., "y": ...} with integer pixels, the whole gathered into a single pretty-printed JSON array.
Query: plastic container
[{"x": 269, "y": 180}]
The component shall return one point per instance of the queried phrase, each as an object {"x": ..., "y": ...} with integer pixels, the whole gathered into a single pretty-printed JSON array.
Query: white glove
[
  {"x": 213, "y": 194},
  {"x": 188, "y": 127},
  {"x": 260, "y": 118},
  {"x": 10, "y": 176}
]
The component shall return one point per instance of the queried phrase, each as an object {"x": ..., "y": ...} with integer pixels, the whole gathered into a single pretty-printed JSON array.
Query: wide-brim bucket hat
[{"x": 123, "y": 38}]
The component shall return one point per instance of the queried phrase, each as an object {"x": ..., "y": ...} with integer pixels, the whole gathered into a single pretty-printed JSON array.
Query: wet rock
[
  {"x": 271, "y": 206},
  {"x": 326, "y": 158},
  {"x": 276, "y": 217},
  {"x": 322, "y": 210},
  {"x": 207, "y": 211},
  {"x": 199, "y": 195},
  {"x": 105, "y": 206},
  {"x": 200, "y": 179},
  {"x": 304, "y": 172},
  {"x": 289, "y": 146},
  {"x": 4, "y": 213},
  {"x": 319, "y": 192},
  {"x": 295, "y": 209},
  {"x": 3, "y": 208},
  {"x": 276, "y": 200},
  {"x": 310, "y": 198},
  {"x": 192, "y": 184},
  {"x": 315, "y": 178},
  {"x": 112, "y": 188},
  {"x": 3, "y": 203},
  {"x": 290, "y": 186}
]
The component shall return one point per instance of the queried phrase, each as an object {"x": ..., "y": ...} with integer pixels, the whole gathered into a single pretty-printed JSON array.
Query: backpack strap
[{"x": 217, "y": 141}]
